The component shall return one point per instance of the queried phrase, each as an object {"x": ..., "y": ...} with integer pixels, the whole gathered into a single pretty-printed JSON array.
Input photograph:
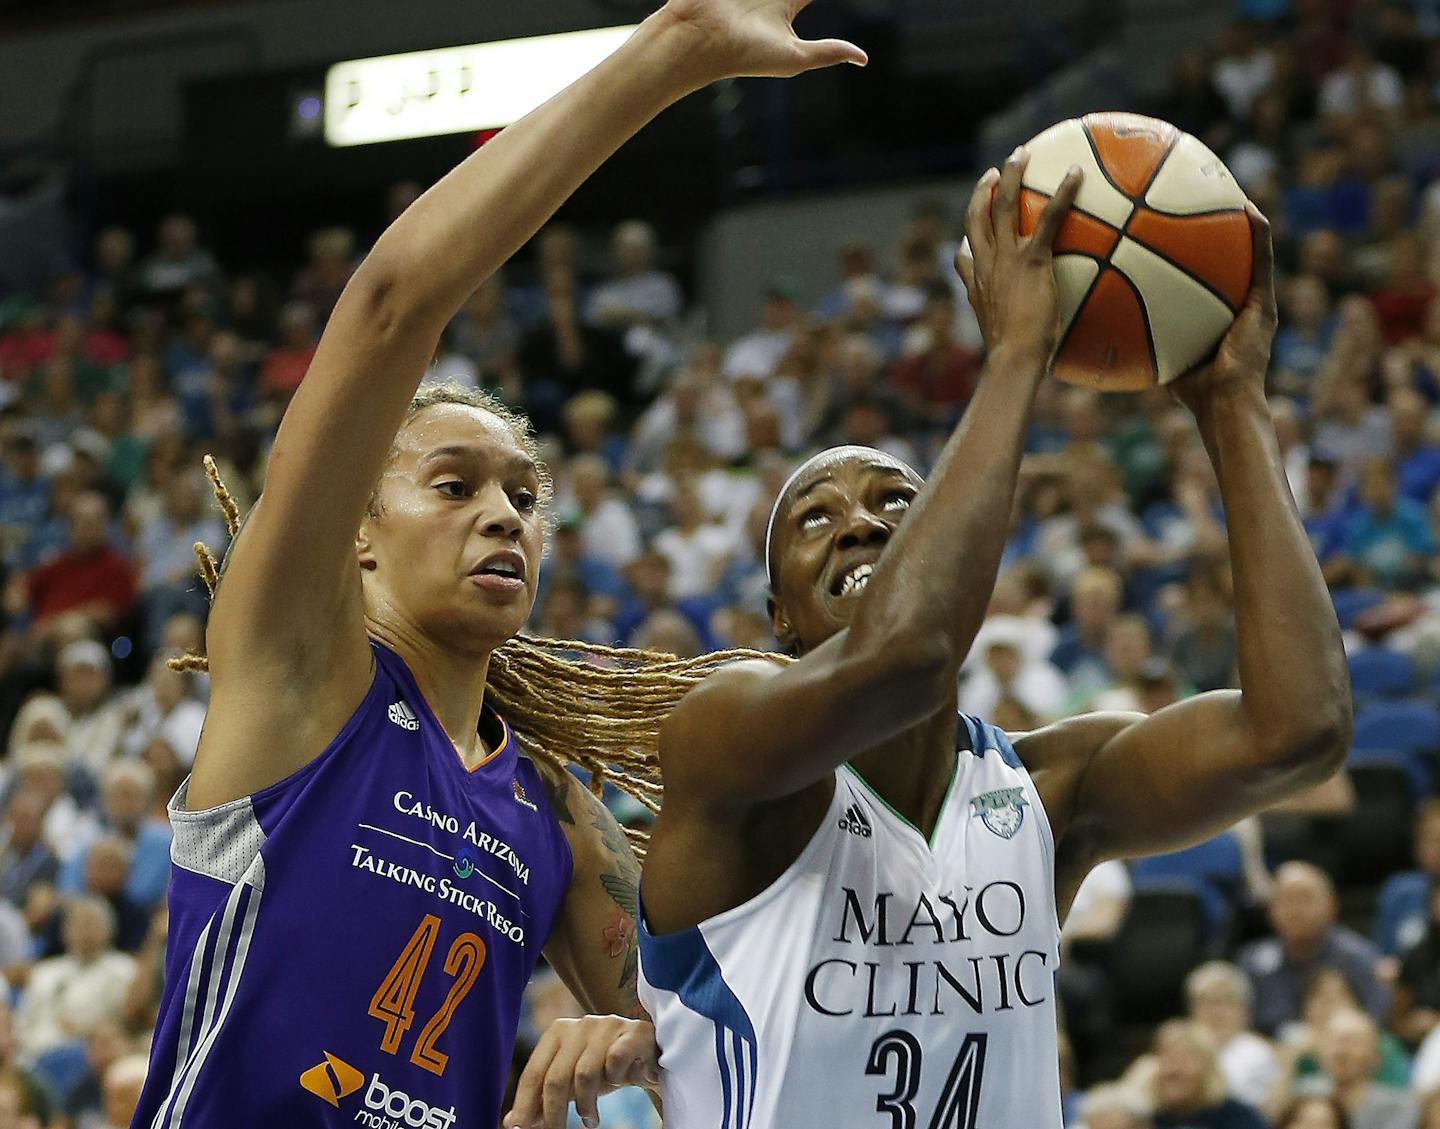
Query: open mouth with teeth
[
  {"x": 499, "y": 568},
  {"x": 852, "y": 581}
]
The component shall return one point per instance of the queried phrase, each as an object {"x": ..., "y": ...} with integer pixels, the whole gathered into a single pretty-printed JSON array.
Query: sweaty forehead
[
  {"x": 453, "y": 425},
  {"x": 845, "y": 464}
]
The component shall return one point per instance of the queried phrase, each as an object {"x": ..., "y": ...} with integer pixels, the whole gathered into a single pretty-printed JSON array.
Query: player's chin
[
  {"x": 495, "y": 615},
  {"x": 838, "y": 611}
]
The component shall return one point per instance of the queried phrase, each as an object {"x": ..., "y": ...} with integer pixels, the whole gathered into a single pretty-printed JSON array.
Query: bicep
[
  {"x": 595, "y": 945},
  {"x": 1175, "y": 778}
]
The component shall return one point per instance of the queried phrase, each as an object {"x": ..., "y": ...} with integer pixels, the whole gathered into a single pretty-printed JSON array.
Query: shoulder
[
  {"x": 1410, "y": 884},
  {"x": 586, "y": 822},
  {"x": 1354, "y": 945},
  {"x": 711, "y": 701},
  {"x": 1057, "y": 756}
]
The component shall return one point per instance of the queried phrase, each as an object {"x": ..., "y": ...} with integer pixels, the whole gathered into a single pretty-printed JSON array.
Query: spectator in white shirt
[
  {"x": 1362, "y": 85},
  {"x": 1098, "y": 908},
  {"x": 640, "y": 294},
  {"x": 1244, "y": 69},
  {"x": 697, "y": 548},
  {"x": 85, "y": 718},
  {"x": 756, "y": 355},
  {"x": 608, "y": 529},
  {"x": 1219, "y": 996},
  {"x": 1035, "y": 684},
  {"x": 66, "y": 995},
  {"x": 689, "y": 406}
]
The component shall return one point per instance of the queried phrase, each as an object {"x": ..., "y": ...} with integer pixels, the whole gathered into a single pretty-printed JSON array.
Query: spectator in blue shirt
[
  {"x": 1388, "y": 540},
  {"x": 1401, "y": 908},
  {"x": 24, "y": 496},
  {"x": 1326, "y": 510},
  {"x": 1080, "y": 651},
  {"x": 128, "y": 798},
  {"x": 1417, "y": 460},
  {"x": 1307, "y": 938},
  {"x": 1303, "y": 341}
]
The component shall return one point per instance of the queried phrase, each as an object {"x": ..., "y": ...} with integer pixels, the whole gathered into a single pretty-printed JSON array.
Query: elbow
[
  {"x": 1315, "y": 747},
  {"x": 384, "y": 295}
]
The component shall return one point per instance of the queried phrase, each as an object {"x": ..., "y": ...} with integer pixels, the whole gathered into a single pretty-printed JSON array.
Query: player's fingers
[
  {"x": 979, "y": 229},
  {"x": 590, "y": 1075},
  {"x": 965, "y": 267},
  {"x": 527, "y": 1110},
  {"x": 1262, "y": 274},
  {"x": 1006, "y": 209},
  {"x": 633, "y": 1059},
  {"x": 817, "y": 53},
  {"x": 1055, "y": 211},
  {"x": 559, "y": 1085}
]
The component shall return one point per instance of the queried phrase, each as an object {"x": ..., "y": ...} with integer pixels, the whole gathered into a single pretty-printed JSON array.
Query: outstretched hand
[
  {"x": 1010, "y": 277},
  {"x": 1243, "y": 356},
  {"x": 737, "y": 38}
]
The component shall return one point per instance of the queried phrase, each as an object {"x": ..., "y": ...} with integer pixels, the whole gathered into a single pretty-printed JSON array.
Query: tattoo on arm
[
  {"x": 558, "y": 792},
  {"x": 621, "y": 880}
]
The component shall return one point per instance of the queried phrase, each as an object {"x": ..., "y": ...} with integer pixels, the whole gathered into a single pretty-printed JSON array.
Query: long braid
[{"x": 568, "y": 701}]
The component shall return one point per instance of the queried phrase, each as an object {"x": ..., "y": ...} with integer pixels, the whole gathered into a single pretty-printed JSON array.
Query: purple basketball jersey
[{"x": 349, "y": 946}]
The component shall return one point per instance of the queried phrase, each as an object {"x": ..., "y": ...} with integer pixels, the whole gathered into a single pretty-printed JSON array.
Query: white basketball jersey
[{"x": 882, "y": 982}]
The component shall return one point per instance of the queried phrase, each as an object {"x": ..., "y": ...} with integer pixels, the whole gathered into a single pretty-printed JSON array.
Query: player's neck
[
  {"x": 452, "y": 683},
  {"x": 912, "y": 771}
]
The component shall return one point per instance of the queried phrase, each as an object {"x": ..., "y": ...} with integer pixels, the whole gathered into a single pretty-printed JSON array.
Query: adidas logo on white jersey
[
  {"x": 401, "y": 715},
  {"x": 856, "y": 822}
]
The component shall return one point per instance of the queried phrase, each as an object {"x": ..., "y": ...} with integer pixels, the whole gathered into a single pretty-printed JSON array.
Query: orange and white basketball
[{"x": 1153, "y": 262}]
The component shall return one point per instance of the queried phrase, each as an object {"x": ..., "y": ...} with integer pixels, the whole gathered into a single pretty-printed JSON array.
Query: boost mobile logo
[
  {"x": 332, "y": 1080},
  {"x": 392, "y": 1108}
]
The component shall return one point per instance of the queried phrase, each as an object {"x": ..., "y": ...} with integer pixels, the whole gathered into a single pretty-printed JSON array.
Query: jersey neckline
[
  {"x": 504, "y": 751},
  {"x": 929, "y": 841}
]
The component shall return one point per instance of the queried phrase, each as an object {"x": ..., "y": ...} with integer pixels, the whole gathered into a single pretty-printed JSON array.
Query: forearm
[
  {"x": 1295, "y": 691},
  {"x": 460, "y": 231},
  {"x": 382, "y": 334},
  {"x": 938, "y": 572}
]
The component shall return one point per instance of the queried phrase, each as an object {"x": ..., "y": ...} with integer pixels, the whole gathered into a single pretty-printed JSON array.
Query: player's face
[
  {"x": 455, "y": 551},
  {"x": 830, "y": 530}
]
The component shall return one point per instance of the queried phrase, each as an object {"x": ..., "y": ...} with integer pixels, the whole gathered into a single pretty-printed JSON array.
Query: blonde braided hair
[{"x": 567, "y": 701}]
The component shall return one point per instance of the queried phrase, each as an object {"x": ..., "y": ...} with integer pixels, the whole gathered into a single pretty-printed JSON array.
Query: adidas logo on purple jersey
[{"x": 403, "y": 716}]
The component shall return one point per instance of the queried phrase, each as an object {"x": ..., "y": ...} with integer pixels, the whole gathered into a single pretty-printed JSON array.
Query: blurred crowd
[{"x": 1302, "y": 988}]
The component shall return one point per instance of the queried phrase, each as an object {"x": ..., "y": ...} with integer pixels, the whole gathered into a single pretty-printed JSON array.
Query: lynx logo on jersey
[{"x": 1002, "y": 811}]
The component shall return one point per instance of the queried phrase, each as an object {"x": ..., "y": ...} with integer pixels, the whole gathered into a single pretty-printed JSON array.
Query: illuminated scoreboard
[{"x": 456, "y": 89}]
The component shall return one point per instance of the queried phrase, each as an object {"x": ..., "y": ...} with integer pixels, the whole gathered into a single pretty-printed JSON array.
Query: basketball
[{"x": 1153, "y": 262}]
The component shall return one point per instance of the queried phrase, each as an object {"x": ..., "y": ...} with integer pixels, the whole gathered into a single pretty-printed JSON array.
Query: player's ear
[
  {"x": 363, "y": 548},
  {"x": 780, "y": 624}
]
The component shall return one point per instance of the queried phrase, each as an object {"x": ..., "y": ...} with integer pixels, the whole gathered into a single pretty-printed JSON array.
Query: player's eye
[
  {"x": 525, "y": 501},
  {"x": 897, "y": 501},
  {"x": 813, "y": 519},
  {"x": 453, "y": 488}
]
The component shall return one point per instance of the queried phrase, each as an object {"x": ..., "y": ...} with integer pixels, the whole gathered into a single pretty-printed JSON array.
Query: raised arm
[
  {"x": 755, "y": 731},
  {"x": 1119, "y": 785},
  {"x": 288, "y": 624}
]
